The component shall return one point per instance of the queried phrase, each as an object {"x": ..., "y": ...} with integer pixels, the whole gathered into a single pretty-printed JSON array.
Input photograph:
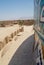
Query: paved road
[{"x": 24, "y": 55}]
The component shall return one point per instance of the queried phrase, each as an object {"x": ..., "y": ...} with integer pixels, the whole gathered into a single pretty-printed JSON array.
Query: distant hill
[
  {"x": 12, "y": 22},
  {"x": 28, "y": 22}
]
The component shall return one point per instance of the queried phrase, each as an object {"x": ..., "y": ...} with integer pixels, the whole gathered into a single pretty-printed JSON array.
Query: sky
[{"x": 16, "y": 9}]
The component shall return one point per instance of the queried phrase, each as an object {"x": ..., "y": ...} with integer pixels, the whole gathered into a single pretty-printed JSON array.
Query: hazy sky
[{"x": 16, "y": 9}]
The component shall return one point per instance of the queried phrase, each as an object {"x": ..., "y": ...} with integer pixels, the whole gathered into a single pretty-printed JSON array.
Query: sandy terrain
[
  {"x": 13, "y": 46},
  {"x": 6, "y": 31}
]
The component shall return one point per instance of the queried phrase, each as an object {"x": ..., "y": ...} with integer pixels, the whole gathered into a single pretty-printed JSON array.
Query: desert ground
[
  {"x": 19, "y": 51},
  {"x": 6, "y": 31}
]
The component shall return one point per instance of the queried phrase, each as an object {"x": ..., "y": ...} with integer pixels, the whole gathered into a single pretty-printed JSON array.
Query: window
[{"x": 43, "y": 13}]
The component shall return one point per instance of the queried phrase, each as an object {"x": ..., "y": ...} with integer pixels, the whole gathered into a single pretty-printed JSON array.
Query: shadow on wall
[{"x": 24, "y": 54}]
